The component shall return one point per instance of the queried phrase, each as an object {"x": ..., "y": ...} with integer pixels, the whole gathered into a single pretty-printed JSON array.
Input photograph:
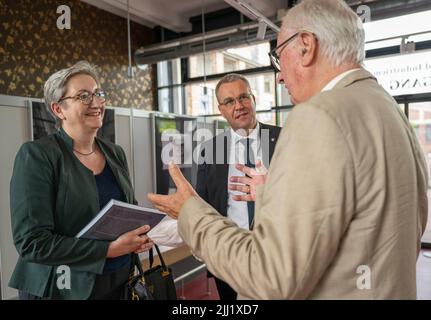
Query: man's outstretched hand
[
  {"x": 248, "y": 184},
  {"x": 172, "y": 204}
]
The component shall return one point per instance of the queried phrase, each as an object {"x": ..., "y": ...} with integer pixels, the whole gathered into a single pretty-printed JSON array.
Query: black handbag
[
  {"x": 135, "y": 288},
  {"x": 156, "y": 283},
  {"x": 159, "y": 280}
]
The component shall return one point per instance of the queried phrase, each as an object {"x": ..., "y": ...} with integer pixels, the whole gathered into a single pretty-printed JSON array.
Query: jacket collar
[
  {"x": 66, "y": 138},
  {"x": 353, "y": 77},
  {"x": 69, "y": 141}
]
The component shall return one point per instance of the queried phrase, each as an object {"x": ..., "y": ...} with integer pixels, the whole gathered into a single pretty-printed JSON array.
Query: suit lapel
[
  {"x": 221, "y": 171},
  {"x": 272, "y": 141},
  {"x": 224, "y": 172}
]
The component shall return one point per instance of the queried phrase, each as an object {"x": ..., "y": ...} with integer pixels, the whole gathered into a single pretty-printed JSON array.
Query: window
[
  {"x": 263, "y": 87},
  {"x": 268, "y": 117},
  {"x": 428, "y": 133},
  {"x": 419, "y": 114},
  {"x": 397, "y": 26},
  {"x": 283, "y": 117},
  {"x": 169, "y": 87},
  {"x": 201, "y": 99},
  {"x": 229, "y": 60},
  {"x": 170, "y": 99},
  {"x": 229, "y": 64},
  {"x": 183, "y": 89}
]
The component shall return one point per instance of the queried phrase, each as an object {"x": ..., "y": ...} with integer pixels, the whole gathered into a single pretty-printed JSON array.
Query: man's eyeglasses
[
  {"x": 243, "y": 99},
  {"x": 275, "y": 57},
  {"x": 86, "y": 97}
]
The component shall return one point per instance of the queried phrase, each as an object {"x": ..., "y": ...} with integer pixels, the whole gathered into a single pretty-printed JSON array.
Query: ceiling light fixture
[{"x": 252, "y": 13}]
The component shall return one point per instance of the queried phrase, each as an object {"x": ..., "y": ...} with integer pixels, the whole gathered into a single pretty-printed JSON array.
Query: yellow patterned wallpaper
[{"x": 32, "y": 48}]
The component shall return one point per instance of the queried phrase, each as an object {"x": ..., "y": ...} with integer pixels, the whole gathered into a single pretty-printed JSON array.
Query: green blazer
[{"x": 52, "y": 197}]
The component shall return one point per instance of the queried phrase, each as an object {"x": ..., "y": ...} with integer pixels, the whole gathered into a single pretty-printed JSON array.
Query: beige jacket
[{"x": 343, "y": 210}]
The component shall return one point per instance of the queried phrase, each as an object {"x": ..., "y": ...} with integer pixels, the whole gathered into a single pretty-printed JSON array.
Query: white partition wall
[
  {"x": 123, "y": 135},
  {"x": 143, "y": 159},
  {"x": 14, "y": 131}
]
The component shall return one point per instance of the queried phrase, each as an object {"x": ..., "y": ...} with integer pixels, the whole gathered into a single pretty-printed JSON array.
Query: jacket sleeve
[
  {"x": 32, "y": 202},
  {"x": 301, "y": 215}
]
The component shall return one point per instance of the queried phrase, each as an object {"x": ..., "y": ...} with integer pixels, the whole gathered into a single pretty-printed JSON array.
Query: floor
[{"x": 197, "y": 289}]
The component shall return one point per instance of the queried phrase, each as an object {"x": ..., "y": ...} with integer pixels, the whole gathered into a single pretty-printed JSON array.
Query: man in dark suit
[{"x": 247, "y": 142}]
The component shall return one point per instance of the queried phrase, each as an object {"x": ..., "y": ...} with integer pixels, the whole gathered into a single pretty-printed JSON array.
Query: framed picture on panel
[
  {"x": 107, "y": 132},
  {"x": 173, "y": 141},
  {"x": 44, "y": 122}
]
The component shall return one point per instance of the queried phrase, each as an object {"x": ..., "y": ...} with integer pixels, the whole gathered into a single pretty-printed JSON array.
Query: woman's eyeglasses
[{"x": 86, "y": 97}]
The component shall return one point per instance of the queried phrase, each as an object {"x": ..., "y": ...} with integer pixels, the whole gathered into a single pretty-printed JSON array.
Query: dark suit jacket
[
  {"x": 53, "y": 196},
  {"x": 212, "y": 179}
]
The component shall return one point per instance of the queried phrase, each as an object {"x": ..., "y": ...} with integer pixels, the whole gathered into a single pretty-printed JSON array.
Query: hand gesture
[
  {"x": 172, "y": 204},
  {"x": 248, "y": 184}
]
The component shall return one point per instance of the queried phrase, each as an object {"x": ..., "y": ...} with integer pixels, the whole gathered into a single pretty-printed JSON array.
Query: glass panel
[
  {"x": 168, "y": 72},
  {"x": 382, "y": 44},
  {"x": 267, "y": 117},
  {"x": 162, "y": 74},
  {"x": 263, "y": 87},
  {"x": 164, "y": 100},
  {"x": 170, "y": 100},
  {"x": 397, "y": 41},
  {"x": 386, "y": 28},
  {"x": 283, "y": 117},
  {"x": 420, "y": 118},
  {"x": 283, "y": 96},
  {"x": 201, "y": 99},
  {"x": 203, "y": 102},
  {"x": 229, "y": 60}
]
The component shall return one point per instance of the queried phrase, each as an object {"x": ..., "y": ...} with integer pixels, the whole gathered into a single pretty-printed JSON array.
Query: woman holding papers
[{"x": 59, "y": 183}]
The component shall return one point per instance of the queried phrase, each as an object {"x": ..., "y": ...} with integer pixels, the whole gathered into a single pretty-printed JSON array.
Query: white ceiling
[{"x": 175, "y": 14}]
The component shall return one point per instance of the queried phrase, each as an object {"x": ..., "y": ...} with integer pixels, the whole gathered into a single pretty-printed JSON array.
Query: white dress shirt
[
  {"x": 331, "y": 84},
  {"x": 237, "y": 210}
]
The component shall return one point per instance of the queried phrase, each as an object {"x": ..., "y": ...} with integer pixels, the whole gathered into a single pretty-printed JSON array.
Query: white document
[
  {"x": 117, "y": 218},
  {"x": 166, "y": 233}
]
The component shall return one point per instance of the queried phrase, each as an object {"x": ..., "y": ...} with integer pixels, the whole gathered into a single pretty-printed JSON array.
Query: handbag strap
[
  {"x": 151, "y": 258},
  {"x": 138, "y": 264}
]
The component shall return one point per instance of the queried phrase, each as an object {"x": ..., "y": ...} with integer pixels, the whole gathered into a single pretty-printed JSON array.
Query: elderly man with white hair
[{"x": 344, "y": 205}]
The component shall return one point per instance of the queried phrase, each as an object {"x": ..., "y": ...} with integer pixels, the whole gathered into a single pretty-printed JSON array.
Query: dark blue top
[{"x": 108, "y": 189}]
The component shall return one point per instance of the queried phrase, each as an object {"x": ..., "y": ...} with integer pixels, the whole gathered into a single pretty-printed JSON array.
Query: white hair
[
  {"x": 338, "y": 29},
  {"x": 56, "y": 85}
]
